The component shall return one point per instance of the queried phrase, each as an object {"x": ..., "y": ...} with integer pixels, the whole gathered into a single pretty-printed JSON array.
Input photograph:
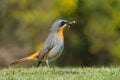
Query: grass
[{"x": 43, "y": 73}]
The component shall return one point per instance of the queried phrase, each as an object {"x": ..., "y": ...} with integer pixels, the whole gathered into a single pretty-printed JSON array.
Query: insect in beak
[{"x": 70, "y": 23}]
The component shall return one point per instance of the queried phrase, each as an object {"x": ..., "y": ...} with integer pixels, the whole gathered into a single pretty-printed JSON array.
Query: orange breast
[{"x": 60, "y": 35}]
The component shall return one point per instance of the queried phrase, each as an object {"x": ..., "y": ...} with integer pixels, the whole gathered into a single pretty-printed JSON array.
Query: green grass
[{"x": 43, "y": 73}]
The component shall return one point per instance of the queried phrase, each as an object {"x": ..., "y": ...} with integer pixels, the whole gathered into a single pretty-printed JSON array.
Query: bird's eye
[{"x": 63, "y": 22}]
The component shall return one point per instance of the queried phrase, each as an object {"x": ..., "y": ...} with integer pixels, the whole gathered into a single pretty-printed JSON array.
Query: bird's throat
[{"x": 60, "y": 35}]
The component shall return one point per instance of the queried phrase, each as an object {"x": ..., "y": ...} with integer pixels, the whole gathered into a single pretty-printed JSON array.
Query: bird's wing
[{"x": 47, "y": 46}]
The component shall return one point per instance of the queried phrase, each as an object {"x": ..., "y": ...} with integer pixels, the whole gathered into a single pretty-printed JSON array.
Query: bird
[{"x": 52, "y": 47}]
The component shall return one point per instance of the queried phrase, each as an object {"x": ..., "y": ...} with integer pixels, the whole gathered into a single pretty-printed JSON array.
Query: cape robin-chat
[{"x": 53, "y": 45}]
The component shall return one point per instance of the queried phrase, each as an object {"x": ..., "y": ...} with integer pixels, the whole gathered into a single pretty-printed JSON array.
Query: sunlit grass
[{"x": 43, "y": 73}]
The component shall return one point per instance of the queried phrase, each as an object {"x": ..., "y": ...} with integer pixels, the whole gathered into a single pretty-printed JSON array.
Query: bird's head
[{"x": 60, "y": 24}]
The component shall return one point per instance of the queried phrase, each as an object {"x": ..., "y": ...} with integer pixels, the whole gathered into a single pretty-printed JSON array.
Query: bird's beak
[{"x": 68, "y": 24}]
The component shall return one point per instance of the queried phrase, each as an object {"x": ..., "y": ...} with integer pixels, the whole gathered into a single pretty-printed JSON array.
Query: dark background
[{"x": 93, "y": 41}]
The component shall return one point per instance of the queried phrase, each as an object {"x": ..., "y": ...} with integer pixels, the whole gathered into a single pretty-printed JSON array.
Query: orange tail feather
[{"x": 32, "y": 57}]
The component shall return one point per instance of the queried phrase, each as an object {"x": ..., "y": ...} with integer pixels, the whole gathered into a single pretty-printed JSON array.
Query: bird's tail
[{"x": 32, "y": 57}]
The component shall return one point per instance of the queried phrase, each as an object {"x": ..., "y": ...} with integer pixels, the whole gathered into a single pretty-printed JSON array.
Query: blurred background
[{"x": 93, "y": 41}]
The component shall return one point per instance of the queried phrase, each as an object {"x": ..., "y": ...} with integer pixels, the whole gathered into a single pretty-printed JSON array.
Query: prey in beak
[{"x": 70, "y": 23}]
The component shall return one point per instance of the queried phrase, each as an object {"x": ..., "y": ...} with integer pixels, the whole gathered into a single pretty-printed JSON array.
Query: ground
[{"x": 68, "y": 73}]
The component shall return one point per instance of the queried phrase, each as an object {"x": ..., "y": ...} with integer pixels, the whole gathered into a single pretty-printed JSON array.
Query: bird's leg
[
  {"x": 47, "y": 63},
  {"x": 39, "y": 62}
]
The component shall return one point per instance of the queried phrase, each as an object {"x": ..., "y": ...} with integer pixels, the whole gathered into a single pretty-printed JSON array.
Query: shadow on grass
[{"x": 65, "y": 72}]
